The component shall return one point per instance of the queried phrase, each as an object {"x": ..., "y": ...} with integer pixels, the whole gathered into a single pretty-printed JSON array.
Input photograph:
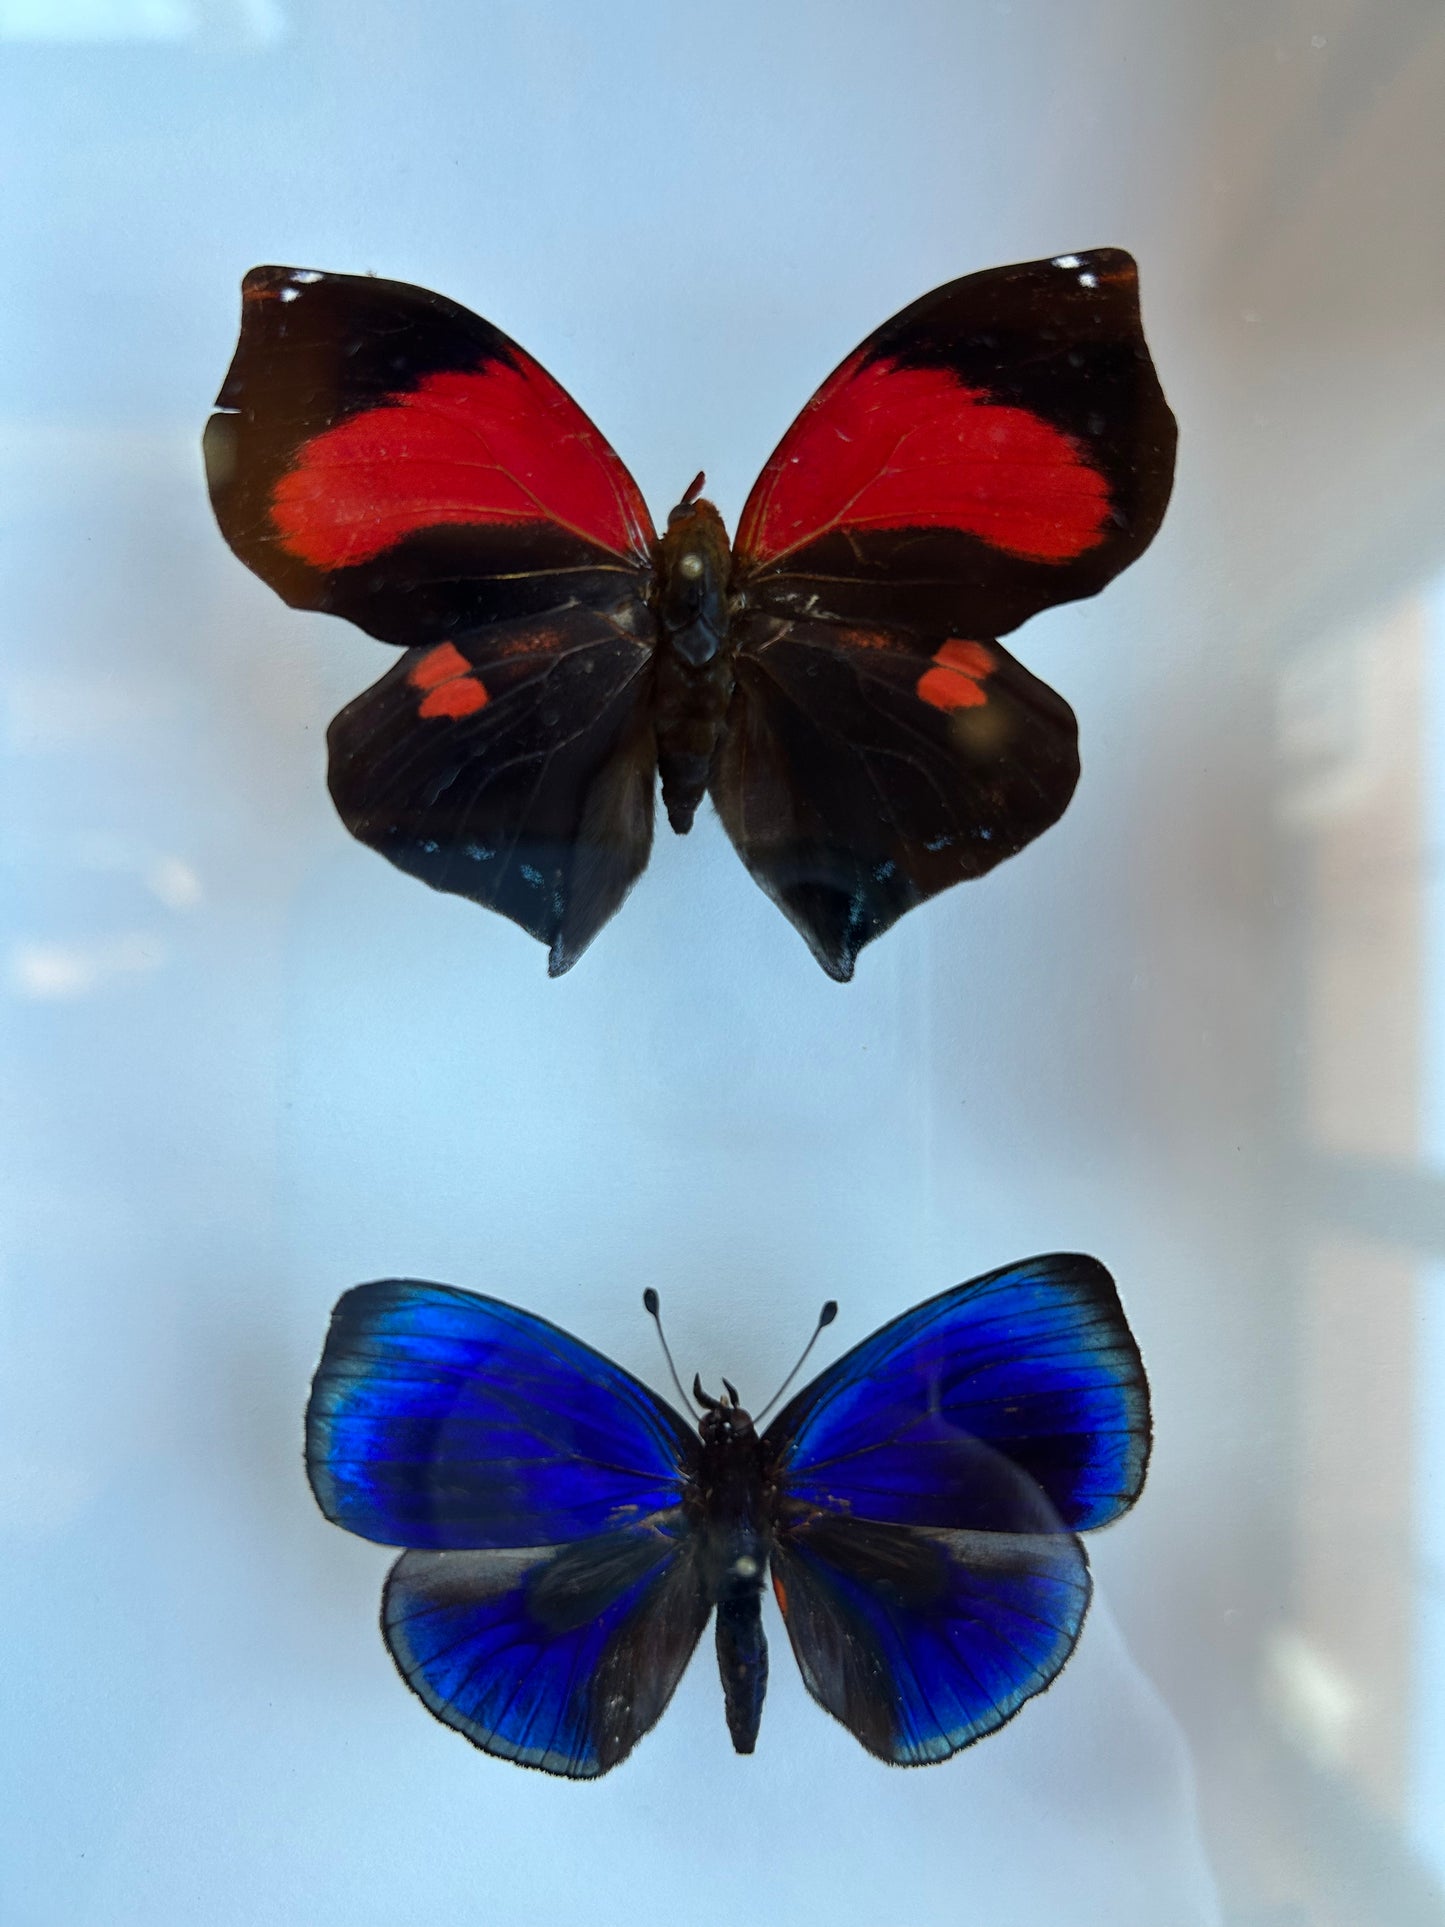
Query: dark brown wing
[
  {"x": 865, "y": 769},
  {"x": 515, "y": 767}
]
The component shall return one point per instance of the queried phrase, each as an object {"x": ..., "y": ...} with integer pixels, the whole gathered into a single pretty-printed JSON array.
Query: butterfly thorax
[
  {"x": 694, "y": 657},
  {"x": 728, "y": 1499}
]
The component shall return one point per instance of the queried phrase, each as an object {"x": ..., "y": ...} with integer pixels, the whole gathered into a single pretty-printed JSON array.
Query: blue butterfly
[{"x": 569, "y": 1534}]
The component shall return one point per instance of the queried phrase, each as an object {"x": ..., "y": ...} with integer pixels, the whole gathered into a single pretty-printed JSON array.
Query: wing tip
[
  {"x": 561, "y": 956},
  {"x": 838, "y": 965},
  {"x": 266, "y": 281},
  {"x": 1112, "y": 260}
]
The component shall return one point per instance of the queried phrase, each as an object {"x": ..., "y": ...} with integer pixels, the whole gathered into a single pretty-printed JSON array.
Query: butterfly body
[
  {"x": 832, "y": 678},
  {"x": 731, "y": 1497},
  {"x": 917, "y": 1509}
]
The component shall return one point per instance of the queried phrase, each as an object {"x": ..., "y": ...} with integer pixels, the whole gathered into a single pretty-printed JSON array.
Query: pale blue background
[{"x": 250, "y": 1064}]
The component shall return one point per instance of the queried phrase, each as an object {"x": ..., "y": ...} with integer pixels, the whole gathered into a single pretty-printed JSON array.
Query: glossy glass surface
[{"x": 1198, "y": 1029}]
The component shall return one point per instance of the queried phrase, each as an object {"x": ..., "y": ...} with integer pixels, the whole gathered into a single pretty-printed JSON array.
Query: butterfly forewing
[
  {"x": 383, "y": 454},
  {"x": 1033, "y": 1366},
  {"x": 440, "y": 1419},
  {"x": 1000, "y": 446}
]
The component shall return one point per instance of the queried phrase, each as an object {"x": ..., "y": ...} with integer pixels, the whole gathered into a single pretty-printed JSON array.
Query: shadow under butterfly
[
  {"x": 832, "y": 679},
  {"x": 918, "y": 1506}
]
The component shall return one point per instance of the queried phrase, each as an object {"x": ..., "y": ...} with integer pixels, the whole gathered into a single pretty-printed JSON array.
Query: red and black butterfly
[{"x": 832, "y": 678}]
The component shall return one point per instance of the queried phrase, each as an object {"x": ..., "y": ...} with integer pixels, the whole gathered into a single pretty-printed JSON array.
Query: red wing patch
[
  {"x": 499, "y": 446},
  {"x": 887, "y": 447},
  {"x": 955, "y": 681},
  {"x": 452, "y": 686}
]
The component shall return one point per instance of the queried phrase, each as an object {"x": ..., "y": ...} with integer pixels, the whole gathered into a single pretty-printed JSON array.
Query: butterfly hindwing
[
  {"x": 559, "y": 1657},
  {"x": 514, "y": 767},
  {"x": 1000, "y": 446},
  {"x": 441, "y": 1420},
  {"x": 383, "y": 454},
  {"x": 865, "y": 769},
  {"x": 922, "y": 1641}
]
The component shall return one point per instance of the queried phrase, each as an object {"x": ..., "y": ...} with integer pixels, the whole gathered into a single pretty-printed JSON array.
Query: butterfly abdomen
[
  {"x": 695, "y": 655},
  {"x": 742, "y": 1660}
]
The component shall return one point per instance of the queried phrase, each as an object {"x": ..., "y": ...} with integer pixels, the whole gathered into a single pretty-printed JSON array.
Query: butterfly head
[
  {"x": 723, "y": 1419},
  {"x": 690, "y": 497}
]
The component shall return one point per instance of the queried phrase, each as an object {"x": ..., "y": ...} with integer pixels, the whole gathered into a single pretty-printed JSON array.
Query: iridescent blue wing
[
  {"x": 930, "y": 1486},
  {"x": 439, "y": 1419},
  {"x": 553, "y": 1596},
  {"x": 560, "y": 1657},
  {"x": 1029, "y": 1368},
  {"x": 921, "y": 1641}
]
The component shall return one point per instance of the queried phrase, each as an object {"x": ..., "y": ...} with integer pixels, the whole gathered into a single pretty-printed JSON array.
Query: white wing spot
[
  {"x": 1088, "y": 280},
  {"x": 1066, "y": 260}
]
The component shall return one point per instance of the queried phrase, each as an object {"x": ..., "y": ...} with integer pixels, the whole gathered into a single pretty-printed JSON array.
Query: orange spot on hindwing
[
  {"x": 464, "y": 697},
  {"x": 956, "y": 679},
  {"x": 968, "y": 658},
  {"x": 438, "y": 665},
  {"x": 452, "y": 686}
]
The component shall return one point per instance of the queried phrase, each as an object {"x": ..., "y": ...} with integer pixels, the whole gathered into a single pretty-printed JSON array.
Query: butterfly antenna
[
  {"x": 825, "y": 1317},
  {"x": 653, "y": 1307}
]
